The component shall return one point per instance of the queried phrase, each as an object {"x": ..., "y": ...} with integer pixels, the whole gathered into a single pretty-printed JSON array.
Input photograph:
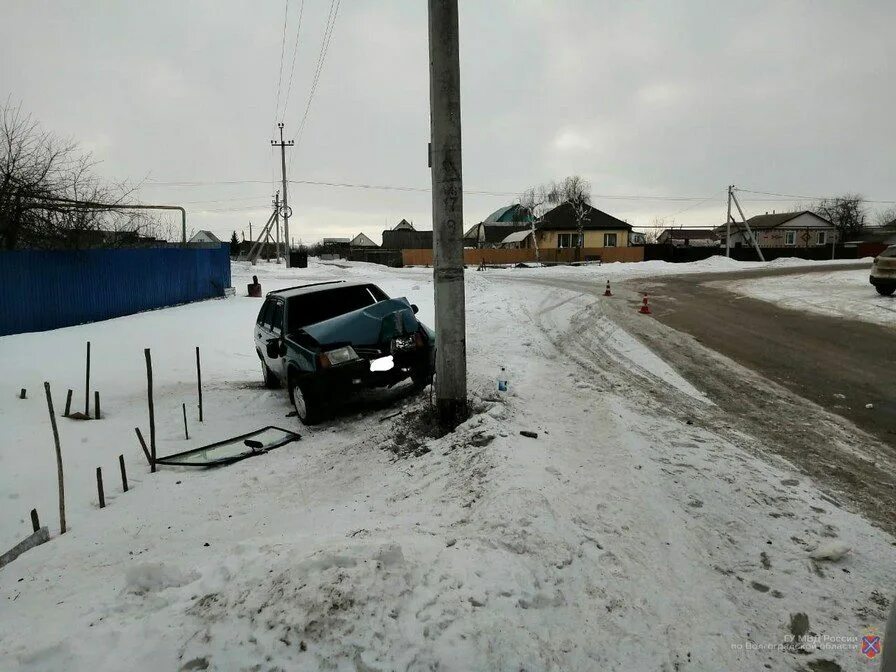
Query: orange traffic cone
[
  {"x": 644, "y": 309},
  {"x": 607, "y": 291}
]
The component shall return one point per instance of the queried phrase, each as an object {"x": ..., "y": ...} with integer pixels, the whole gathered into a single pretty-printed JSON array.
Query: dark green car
[{"x": 326, "y": 340}]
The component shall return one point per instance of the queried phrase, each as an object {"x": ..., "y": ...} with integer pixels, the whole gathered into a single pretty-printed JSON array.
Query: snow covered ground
[
  {"x": 846, "y": 294},
  {"x": 623, "y": 537}
]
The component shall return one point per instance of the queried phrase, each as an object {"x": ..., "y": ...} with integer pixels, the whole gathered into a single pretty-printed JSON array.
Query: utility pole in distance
[
  {"x": 447, "y": 213},
  {"x": 286, "y": 212}
]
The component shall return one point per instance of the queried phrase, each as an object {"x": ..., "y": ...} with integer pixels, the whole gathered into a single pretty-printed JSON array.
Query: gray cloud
[{"x": 642, "y": 98}]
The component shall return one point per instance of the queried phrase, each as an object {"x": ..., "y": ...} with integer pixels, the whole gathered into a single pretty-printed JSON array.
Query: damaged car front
[{"x": 338, "y": 338}]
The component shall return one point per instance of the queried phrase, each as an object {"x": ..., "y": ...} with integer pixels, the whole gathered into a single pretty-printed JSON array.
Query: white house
[
  {"x": 782, "y": 229},
  {"x": 205, "y": 237},
  {"x": 362, "y": 241}
]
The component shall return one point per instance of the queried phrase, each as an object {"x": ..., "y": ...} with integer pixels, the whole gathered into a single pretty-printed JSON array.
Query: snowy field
[
  {"x": 846, "y": 294},
  {"x": 623, "y": 537}
]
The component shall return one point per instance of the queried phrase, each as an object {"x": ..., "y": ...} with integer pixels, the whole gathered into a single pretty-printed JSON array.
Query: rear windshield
[
  {"x": 889, "y": 252},
  {"x": 325, "y": 304}
]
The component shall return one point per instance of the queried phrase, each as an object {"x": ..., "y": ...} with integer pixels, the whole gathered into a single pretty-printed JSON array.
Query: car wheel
[
  {"x": 885, "y": 290},
  {"x": 307, "y": 408},
  {"x": 270, "y": 380}
]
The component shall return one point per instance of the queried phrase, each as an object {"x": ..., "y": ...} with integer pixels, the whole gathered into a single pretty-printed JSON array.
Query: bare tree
[
  {"x": 847, "y": 213},
  {"x": 885, "y": 217},
  {"x": 537, "y": 201},
  {"x": 42, "y": 180},
  {"x": 576, "y": 191}
]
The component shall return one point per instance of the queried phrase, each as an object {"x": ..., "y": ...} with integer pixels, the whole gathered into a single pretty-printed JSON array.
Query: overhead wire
[
  {"x": 295, "y": 51},
  {"x": 282, "y": 51}
]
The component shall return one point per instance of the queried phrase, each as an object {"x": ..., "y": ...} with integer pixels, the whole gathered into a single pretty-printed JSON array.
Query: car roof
[{"x": 311, "y": 288}]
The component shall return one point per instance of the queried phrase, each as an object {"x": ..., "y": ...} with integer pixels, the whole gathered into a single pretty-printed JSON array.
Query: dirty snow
[
  {"x": 620, "y": 538},
  {"x": 846, "y": 294}
]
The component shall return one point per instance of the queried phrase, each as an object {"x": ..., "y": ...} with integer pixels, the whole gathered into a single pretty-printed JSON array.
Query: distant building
[
  {"x": 637, "y": 238},
  {"x": 362, "y": 241},
  {"x": 403, "y": 225},
  {"x": 689, "y": 238},
  {"x": 491, "y": 231},
  {"x": 204, "y": 237},
  {"x": 559, "y": 229},
  {"x": 782, "y": 229},
  {"x": 517, "y": 240}
]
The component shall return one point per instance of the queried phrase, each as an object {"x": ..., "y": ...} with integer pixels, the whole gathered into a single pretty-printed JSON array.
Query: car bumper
[
  {"x": 882, "y": 281},
  {"x": 335, "y": 382}
]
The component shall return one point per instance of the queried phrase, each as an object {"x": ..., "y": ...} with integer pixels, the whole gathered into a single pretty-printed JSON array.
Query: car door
[
  {"x": 275, "y": 330},
  {"x": 263, "y": 331}
]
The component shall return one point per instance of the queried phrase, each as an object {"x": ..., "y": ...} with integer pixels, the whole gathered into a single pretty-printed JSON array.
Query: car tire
[
  {"x": 885, "y": 290},
  {"x": 304, "y": 402},
  {"x": 270, "y": 380}
]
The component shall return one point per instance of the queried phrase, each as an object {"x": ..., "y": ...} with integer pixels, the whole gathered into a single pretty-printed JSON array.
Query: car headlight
[{"x": 338, "y": 356}]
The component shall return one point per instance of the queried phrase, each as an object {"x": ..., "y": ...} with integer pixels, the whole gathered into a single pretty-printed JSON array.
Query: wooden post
[
  {"x": 99, "y": 487},
  {"x": 152, "y": 413},
  {"x": 186, "y": 433},
  {"x": 35, "y": 521},
  {"x": 87, "y": 385},
  {"x": 58, "y": 459},
  {"x": 124, "y": 474},
  {"x": 22, "y": 393},
  {"x": 68, "y": 403},
  {"x": 143, "y": 446},
  {"x": 96, "y": 404},
  {"x": 199, "y": 382}
]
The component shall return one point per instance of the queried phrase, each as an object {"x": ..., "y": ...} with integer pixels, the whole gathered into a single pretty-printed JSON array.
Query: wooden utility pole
[
  {"x": 447, "y": 213},
  {"x": 286, "y": 211}
]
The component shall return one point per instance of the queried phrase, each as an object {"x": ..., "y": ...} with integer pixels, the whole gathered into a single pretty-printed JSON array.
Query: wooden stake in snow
[
  {"x": 96, "y": 404},
  {"x": 186, "y": 433},
  {"x": 124, "y": 474},
  {"x": 87, "y": 385},
  {"x": 22, "y": 394},
  {"x": 35, "y": 521},
  {"x": 152, "y": 413},
  {"x": 58, "y": 459},
  {"x": 68, "y": 403},
  {"x": 99, "y": 487},
  {"x": 143, "y": 446},
  {"x": 199, "y": 382}
]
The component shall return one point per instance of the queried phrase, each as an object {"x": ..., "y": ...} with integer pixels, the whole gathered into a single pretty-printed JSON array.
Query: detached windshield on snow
[{"x": 319, "y": 306}]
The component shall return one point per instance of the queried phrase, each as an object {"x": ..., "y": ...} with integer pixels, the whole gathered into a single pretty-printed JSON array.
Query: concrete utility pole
[
  {"x": 728, "y": 224},
  {"x": 746, "y": 224},
  {"x": 447, "y": 213},
  {"x": 286, "y": 212},
  {"x": 277, "y": 224}
]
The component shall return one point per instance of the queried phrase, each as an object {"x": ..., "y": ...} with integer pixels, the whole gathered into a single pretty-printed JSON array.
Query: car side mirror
[
  {"x": 415, "y": 308},
  {"x": 273, "y": 348}
]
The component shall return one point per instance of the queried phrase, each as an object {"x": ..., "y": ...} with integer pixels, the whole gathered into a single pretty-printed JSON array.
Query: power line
[
  {"x": 800, "y": 198},
  {"x": 282, "y": 49},
  {"x": 321, "y": 58},
  {"x": 295, "y": 50}
]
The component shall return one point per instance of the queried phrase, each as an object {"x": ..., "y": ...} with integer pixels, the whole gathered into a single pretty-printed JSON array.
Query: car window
[
  {"x": 263, "y": 311},
  {"x": 277, "y": 317},
  {"x": 313, "y": 308},
  {"x": 267, "y": 312},
  {"x": 889, "y": 252}
]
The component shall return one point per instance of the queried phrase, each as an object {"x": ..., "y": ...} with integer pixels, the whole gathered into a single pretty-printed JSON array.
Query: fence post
[
  {"x": 99, "y": 487},
  {"x": 58, "y": 459}
]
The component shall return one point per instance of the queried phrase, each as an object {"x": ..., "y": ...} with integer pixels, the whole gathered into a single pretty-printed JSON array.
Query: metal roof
[{"x": 516, "y": 237}]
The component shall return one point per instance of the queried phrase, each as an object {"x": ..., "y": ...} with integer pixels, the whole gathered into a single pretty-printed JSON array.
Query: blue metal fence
[{"x": 48, "y": 289}]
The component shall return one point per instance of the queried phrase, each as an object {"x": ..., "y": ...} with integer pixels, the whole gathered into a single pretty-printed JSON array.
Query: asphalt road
[{"x": 818, "y": 357}]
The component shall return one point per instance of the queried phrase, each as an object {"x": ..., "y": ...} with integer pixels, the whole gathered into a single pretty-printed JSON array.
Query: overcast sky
[{"x": 671, "y": 99}]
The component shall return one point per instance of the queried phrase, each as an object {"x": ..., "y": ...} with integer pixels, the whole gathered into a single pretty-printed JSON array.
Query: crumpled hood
[{"x": 374, "y": 324}]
